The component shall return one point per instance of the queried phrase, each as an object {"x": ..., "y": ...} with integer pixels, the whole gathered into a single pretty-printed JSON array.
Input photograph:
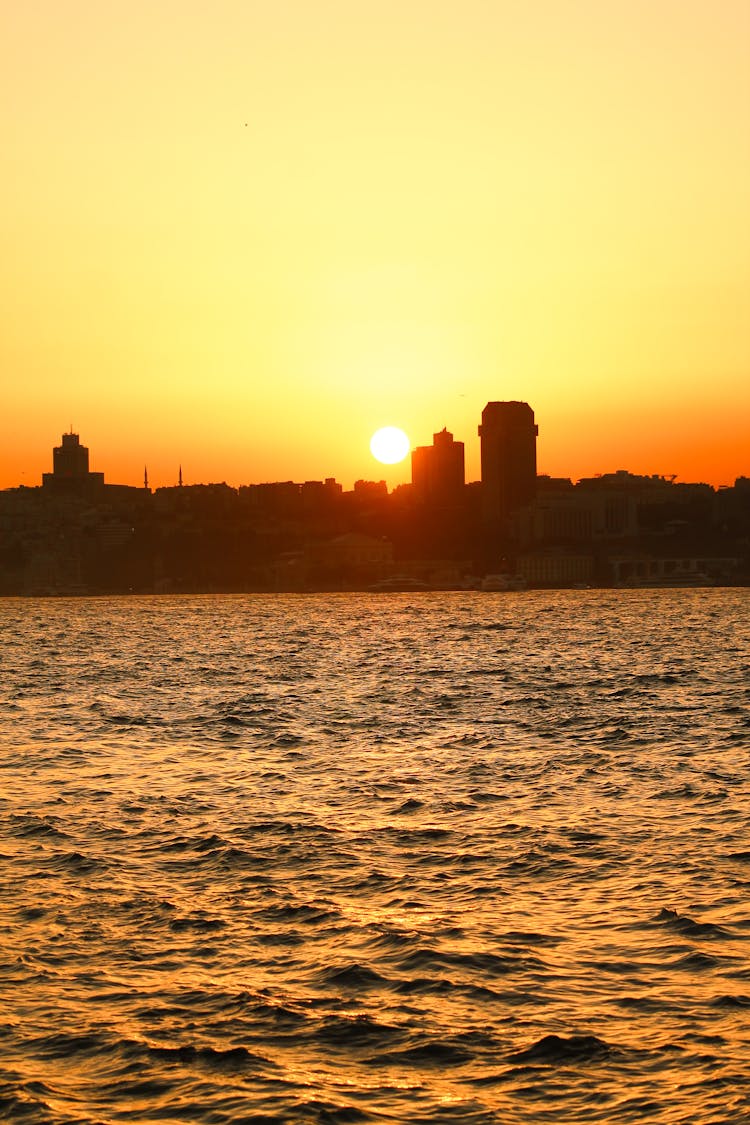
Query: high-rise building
[
  {"x": 437, "y": 471},
  {"x": 70, "y": 466},
  {"x": 508, "y": 452},
  {"x": 71, "y": 459}
]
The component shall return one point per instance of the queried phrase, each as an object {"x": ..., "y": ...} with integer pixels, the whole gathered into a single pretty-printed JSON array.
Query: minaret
[
  {"x": 145, "y": 477},
  {"x": 179, "y": 479}
]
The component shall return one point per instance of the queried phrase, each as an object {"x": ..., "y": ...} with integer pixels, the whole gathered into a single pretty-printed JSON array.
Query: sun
[{"x": 389, "y": 445}]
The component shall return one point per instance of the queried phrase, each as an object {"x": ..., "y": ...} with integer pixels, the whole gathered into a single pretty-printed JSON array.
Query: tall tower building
[
  {"x": 437, "y": 471},
  {"x": 508, "y": 452},
  {"x": 70, "y": 467},
  {"x": 70, "y": 459}
]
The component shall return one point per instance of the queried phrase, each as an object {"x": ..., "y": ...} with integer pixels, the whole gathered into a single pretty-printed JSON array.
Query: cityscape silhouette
[{"x": 76, "y": 533}]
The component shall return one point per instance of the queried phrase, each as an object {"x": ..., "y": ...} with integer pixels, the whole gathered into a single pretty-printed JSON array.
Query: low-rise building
[{"x": 555, "y": 568}]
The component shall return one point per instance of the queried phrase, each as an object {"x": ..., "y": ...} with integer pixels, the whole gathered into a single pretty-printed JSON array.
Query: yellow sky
[{"x": 242, "y": 235}]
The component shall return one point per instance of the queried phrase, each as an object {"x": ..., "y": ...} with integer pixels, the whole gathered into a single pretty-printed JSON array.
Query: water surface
[{"x": 424, "y": 858}]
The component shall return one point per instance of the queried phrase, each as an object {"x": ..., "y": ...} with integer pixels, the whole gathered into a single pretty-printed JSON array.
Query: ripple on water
[{"x": 437, "y": 859}]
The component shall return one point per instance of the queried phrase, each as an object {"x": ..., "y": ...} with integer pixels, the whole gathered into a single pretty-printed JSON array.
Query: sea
[{"x": 425, "y": 858}]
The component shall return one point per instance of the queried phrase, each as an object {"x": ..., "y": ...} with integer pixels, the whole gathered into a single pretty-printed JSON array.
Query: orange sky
[{"x": 242, "y": 236}]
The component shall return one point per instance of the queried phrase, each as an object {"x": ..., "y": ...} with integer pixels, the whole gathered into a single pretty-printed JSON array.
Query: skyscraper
[
  {"x": 70, "y": 467},
  {"x": 437, "y": 471},
  {"x": 70, "y": 459},
  {"x": 508, "y": 452}
]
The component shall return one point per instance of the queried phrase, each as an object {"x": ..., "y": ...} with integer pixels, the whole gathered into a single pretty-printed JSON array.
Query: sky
[{"x": 242, "y": 236}]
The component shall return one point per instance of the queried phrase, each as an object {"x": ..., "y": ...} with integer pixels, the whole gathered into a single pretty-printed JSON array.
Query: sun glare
[{"x": 389, "y": 445}]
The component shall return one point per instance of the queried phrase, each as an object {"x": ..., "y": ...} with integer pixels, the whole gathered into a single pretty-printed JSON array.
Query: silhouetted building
[
  {"x": 319, "y": 497},
  {"x": 76, "y": 534},
  {"x": 70, "y": 467},
  {"x": 352, "y": 551},
  {"x": 371, "y": 490},
  {"x": 71, "y": 459},
  {"x": 577, "y": 515},
  {"x": 272, "y": 500},
  {"x": 508, "y": 457},
  {"x": 437, "y": 471},
  {"x": 555, "y": 568}
]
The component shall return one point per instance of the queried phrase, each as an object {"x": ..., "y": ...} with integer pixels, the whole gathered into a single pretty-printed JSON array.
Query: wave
[
  {"x": 348, "y": 862},
  {"x": 352, "y": 976},
  {"x": 213, "y": 1058},
  {"x": 556, "y": 1050},
  {"x": 688, "y": 927}
]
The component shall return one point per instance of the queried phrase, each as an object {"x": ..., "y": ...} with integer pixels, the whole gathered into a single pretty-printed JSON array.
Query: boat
[
  {"x": 494, "y": 582},
  {"x": 399, "y": 584}
]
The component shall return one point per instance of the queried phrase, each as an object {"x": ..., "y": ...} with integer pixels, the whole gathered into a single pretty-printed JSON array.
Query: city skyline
[
  {"x": 507, "y": 438},
  {"x": 260, "y": 233},
  {"x": 79, "y": 533}
]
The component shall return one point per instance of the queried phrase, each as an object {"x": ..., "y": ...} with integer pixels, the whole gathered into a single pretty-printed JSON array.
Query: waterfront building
[
  {"x": 508, "y": 436},
  {"x": 437, "y": 471}
]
